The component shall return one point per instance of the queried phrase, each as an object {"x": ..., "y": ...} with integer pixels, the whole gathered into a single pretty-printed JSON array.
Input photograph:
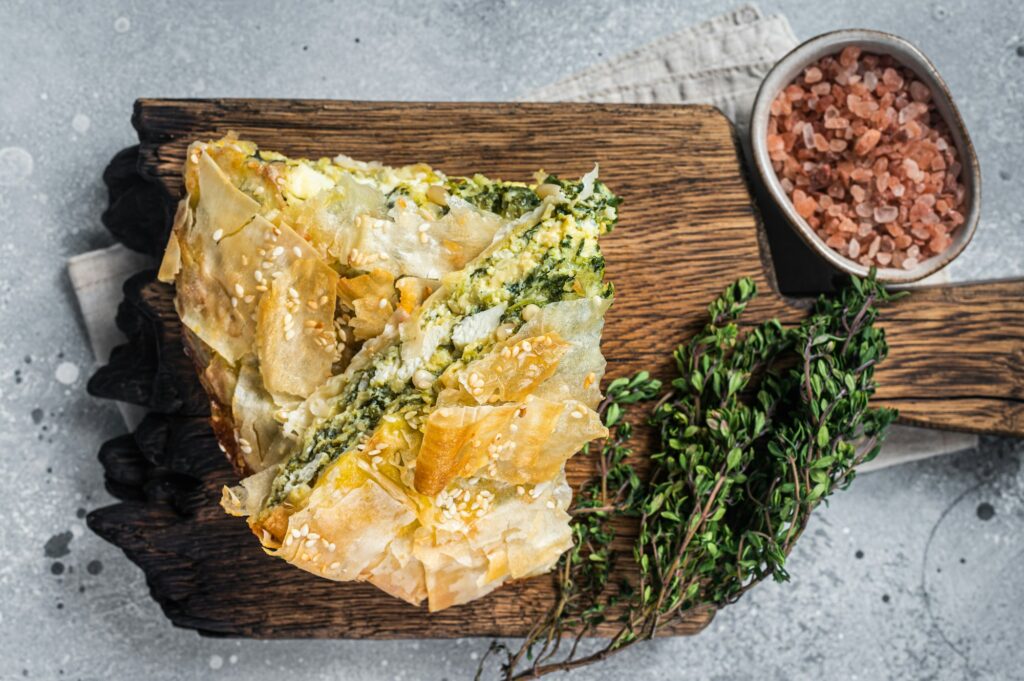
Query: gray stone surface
[{"x": 913, "y": 573}]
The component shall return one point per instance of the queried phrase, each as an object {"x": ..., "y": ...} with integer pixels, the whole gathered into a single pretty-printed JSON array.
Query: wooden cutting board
[{"x": 687, "y": 229}]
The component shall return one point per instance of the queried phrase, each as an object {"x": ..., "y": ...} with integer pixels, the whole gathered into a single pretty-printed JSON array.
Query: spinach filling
[
  {"x": 508, "y": 199},
  {"x": 571, "y": 268}
]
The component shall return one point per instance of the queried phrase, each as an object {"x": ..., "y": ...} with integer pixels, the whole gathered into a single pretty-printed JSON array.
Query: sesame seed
[
  {"x": 239, "y": 290},
  {"x": 277, "y": 251},
  {"x": 250, "y": 298},
  {"x": 257, "y": 275},
  {"x": 520, "y": 490},
  {"x": 297, "y": 251},
  {"x": 292, "y": 293},
  {"x": 383, "y": 303},
  {"x": 424, "y": 238},
  {"x": 194, "y": 158},
  {"x": 576, "y": 414},
  {"x": 289, "y": 334},
  {"x": 550, "y": 504},
  {"x": 234, "y": 301},
  {"x": 218, "y": 235}
]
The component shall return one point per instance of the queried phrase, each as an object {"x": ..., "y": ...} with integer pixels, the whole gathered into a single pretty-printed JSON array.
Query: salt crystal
[
  {"x": 892, "y": 79},
  {"x": 836, "y": 241},
  {"x": 873, "y": 248},
  {"x": 870, "y": 80},
  {"x": 849, "y": 55},
  {"x": 808, "y": 134},
  {"x": 939, "y": 243},
  {"x": 861, "y": 175},
  {"x": 885, "y": 214},
  {"x": 921, "y": 232},
  {"x": 919, "y": 92},
  {"x": 812, "y": 75}
]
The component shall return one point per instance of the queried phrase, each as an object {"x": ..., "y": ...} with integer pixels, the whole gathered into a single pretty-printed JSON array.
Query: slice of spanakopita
[{"x": 400, "y": 363}]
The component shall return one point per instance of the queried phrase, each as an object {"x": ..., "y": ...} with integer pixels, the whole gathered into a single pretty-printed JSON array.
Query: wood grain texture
[{"x": 687, "y": 228}]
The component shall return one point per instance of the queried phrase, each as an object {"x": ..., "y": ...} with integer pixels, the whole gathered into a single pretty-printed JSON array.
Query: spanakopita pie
[{"x": 400, "y": 363}]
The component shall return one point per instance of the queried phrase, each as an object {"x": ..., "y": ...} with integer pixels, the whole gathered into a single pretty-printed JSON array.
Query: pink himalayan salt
[{"x": 854, "y": 141}]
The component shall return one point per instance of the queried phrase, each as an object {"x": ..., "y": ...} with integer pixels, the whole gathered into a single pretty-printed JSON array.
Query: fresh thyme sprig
[{"x": 757, "y": 429}]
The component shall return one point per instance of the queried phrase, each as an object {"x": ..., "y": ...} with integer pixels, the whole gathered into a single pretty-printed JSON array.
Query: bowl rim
[{"x": 909, "y": 56}]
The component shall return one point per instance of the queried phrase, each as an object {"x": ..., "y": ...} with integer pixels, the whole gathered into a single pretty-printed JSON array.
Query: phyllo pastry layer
[{"x": 400, "y": 363}]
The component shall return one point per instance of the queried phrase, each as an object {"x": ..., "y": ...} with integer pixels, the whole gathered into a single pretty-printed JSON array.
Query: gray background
[{"x": 913, "y": 573}]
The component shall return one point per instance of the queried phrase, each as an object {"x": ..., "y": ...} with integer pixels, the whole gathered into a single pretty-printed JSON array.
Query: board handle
[{"x": 956, "y": 357}]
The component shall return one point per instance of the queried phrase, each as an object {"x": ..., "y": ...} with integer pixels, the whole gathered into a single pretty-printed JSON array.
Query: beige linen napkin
[
  {"x": 97, "y": 278},
  {"x": 720, "y": 62}
]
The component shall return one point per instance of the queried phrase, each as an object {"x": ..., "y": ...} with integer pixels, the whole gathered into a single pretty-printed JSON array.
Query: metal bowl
[{"x": 791, "y": 66}]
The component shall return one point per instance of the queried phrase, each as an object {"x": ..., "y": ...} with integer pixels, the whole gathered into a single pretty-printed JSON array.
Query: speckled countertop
[{"x": 913, "y": 573}]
